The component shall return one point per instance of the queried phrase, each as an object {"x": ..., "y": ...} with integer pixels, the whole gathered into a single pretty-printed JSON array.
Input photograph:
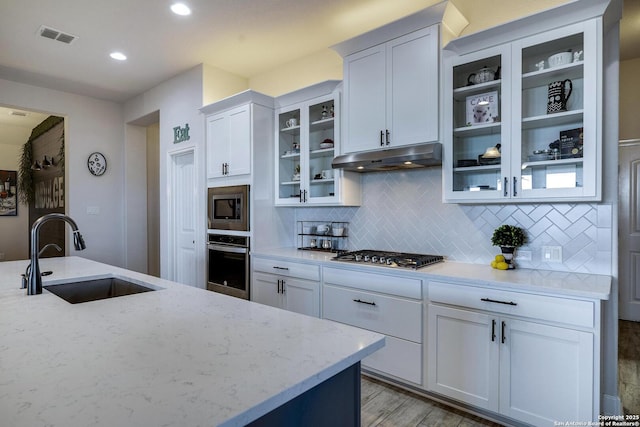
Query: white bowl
[{"x": 561, "y": 58}]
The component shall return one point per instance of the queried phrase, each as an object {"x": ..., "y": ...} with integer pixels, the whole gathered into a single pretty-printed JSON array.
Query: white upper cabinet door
[
  {"x": 239, "y": 148},
  {"x": 391, "y": 93},
  {"x": 365, "y": 99},
  {"x": 217, "y": 143},
  {"x": 412, "y": 88}
]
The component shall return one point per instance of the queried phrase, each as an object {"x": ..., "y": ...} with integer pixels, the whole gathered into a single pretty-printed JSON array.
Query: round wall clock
[{"x": 97, "y": 163}]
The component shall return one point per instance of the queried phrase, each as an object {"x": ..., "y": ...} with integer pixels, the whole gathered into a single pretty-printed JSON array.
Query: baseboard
[{"x": 611, "y": 405}]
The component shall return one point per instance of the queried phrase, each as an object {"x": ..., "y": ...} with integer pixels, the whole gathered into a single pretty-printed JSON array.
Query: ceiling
[{"x": 244, "y": 37}]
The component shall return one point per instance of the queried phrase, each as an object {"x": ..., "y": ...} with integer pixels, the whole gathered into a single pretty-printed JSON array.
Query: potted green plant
[{"x": 509, "y": 238}]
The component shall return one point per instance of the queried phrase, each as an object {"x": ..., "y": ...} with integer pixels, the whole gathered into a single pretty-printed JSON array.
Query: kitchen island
[{"x": 177, "y": 356}]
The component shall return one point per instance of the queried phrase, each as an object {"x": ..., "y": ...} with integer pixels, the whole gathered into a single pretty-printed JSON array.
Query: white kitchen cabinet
[
  {"x": 498, "y": 350},
  {"x": 307, "y": 139},
  {"x": 383, "y": 303},
  {"x": 391, "y": 93},
  {"x": 229, "y": 143},
  {"x": 548, "y": 153},
  {"x": 287, "y": 285},
  {"x": 232, "y": 126}
]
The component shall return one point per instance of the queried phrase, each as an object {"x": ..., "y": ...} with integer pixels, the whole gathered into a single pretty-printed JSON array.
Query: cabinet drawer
[
  {"x": 380, "y": 313},
  {"x": 553, "y": 309},
  {"x": 286, "y": 268},
  {"x": 400, "y": 358},
  {"x": 400, "y": 286}
]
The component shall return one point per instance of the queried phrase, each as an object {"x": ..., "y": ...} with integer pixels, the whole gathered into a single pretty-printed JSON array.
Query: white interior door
[
  {"x": 629, "y": 229},
  {"x": 182, "y": 224}
]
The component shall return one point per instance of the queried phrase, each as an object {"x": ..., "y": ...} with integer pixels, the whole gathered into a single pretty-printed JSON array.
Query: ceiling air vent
[{"x": 53, "y": 34}]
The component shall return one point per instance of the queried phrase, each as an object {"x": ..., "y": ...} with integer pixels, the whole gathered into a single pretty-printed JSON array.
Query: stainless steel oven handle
[{"x": 231, "y": 249}]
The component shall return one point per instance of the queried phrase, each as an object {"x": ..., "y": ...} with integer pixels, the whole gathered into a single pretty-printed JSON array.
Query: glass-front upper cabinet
[
  {"x": 522, "y": 126},
  {"x": 288, "y": 170},
  {"x": 306, "y": 144},
  {"x": 558, "y": 121},
  {"x": 476, "y": 141},
  {"x": 307, "y": 140}
]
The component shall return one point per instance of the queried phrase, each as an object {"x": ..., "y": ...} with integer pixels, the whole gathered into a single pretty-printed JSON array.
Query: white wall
[
  {"x": 629, "y": 96},
  {"x": 178, "y": 101},
  {"x": 90, "y": 125}
]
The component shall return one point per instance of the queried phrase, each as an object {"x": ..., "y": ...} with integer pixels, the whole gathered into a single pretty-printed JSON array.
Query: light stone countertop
[
  {"x": 557, "y": 283},
  {"x": 179, "y": 356}
]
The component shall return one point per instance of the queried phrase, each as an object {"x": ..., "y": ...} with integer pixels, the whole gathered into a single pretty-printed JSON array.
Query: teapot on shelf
[{"x": 483, "y": 75}]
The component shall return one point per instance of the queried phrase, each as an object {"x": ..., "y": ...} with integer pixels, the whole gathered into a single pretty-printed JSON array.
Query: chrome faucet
[{"x": 34, "y": 278}]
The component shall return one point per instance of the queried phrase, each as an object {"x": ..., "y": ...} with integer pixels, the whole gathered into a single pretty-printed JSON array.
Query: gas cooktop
[{"x": 389, "y": 259}]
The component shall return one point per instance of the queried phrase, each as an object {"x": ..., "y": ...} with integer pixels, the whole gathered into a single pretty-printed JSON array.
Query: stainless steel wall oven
[{"x": 228, "y": 265}]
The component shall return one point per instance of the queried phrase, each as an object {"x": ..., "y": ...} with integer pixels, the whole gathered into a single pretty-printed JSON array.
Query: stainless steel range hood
[{"x": 413, "y": 156}]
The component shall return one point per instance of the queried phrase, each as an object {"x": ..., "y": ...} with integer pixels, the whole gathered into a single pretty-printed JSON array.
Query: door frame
[
  {"x": 172, "y": 155},
  {"x": 624, "y": 288}
]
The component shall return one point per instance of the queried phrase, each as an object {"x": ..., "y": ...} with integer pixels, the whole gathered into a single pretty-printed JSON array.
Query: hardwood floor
[
  {"x": 388, "y": 406},
  {"x": 629, "y": 366},
  {"x": 384, "y": 405}
]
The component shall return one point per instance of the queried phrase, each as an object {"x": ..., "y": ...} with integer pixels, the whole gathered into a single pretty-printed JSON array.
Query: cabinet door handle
[
  {"x": 359, "y": 301},
  {"x": 506, "y": 183},
  {"x": 498, "y": 302},
  {"x": 281, "y": 268},
  {"x": 381, "y": 138},
  {"x": 388, "y": 139},
  {"x": 222, "y": 168},
  {"x": 493, "y": 330},
  {"x": 515, "y": 189},
  {"x": 226, "y": 168},
  {"x": 504, "y": 326},
  {"x": 282, "y": 286},
  {"x": 278, "y": 286},
  {"x": 304, "y": 196},
  {"x": 300, "y": 195}
]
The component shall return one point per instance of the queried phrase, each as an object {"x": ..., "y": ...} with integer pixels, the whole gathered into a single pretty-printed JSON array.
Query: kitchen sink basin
[{"x": 93, "y": 290}]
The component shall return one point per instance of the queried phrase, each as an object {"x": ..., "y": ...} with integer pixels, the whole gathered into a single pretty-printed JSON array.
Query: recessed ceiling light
[
  {"x": 118, "y": 55},
  {"x": 180, "y": 9}
]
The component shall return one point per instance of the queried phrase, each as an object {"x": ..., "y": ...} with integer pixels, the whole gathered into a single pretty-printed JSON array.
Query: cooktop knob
[{"x": 374, "y": 258}]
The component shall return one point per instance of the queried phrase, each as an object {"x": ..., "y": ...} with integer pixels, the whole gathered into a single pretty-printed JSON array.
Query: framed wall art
[{"x": 8, "y": 193}]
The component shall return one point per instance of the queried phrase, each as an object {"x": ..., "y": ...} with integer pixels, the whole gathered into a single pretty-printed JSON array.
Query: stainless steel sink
[{"x": 93, "y": 290}]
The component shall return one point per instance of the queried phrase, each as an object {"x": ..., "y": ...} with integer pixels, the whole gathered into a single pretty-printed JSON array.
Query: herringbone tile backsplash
[{"x": 403, "y": 211}]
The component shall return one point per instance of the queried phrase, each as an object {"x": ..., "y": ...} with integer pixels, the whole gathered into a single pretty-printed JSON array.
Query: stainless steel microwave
[{"x": 228, "y": 208}]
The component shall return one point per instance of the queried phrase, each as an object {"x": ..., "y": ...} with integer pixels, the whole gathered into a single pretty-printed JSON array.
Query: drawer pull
[
  {"x": 498, "y": 302},
  {"x": 363, "y": 302},
  {"x": 281, "y": 268}
]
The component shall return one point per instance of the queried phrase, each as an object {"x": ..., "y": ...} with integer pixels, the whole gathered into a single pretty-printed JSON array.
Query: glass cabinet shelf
[
  {"x": 558, "y": 162},
  {"x": 477, "y": 168},
  {"x": 573, "y": 70},
  {"x": 461, "y": 93},
  {"x": 322, "y": 124},
  {"x": 478, "y": 130},
  {"x": 291, "y": 130},
  {"x": 555, "y": 119}
]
